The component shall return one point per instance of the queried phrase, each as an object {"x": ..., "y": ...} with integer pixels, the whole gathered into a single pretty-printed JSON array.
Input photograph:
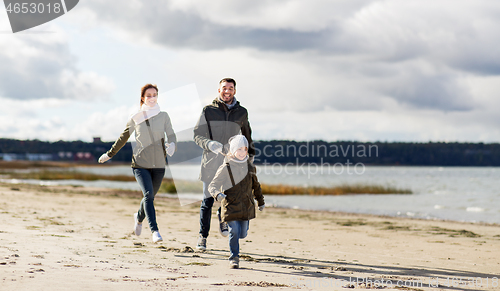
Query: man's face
[{"x": 226, "y": 92}]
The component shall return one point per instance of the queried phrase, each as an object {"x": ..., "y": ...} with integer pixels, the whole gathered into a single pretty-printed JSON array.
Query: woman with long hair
[{"x": 149, "y": 152}]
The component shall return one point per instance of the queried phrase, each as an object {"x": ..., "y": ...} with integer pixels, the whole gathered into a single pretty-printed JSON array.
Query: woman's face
[
  {"x": 150, "y": 97},
  {"x": 241, "y": 153}
]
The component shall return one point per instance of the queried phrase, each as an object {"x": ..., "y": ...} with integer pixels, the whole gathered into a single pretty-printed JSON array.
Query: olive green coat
[
  {"x": 239, "y": 202},
  {"x": 148, "y": 151}
]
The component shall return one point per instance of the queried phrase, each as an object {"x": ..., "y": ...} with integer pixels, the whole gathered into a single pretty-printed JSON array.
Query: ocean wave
[{"x": 474, "y": 209}]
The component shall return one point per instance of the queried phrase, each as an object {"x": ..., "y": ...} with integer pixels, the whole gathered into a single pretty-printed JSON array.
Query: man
[{"x": 219, "y": 121}]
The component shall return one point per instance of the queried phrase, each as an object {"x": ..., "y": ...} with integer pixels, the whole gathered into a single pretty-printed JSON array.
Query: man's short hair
[{"x": 228, "y": 80}]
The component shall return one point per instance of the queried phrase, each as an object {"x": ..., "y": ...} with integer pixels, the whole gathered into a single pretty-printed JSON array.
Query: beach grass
[
  {"x": 168, "y": 185},
  {"x": 70, "y": 175},
  {"x": 66, "y": 175},
  {"x": 335, "y": 190},
  {"x": 24, "y": 165}
]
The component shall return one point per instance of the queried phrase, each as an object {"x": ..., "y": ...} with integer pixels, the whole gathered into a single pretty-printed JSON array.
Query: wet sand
[{"x": 65, "y": 238}]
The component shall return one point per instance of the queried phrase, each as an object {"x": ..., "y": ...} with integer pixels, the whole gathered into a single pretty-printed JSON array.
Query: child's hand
[
  {"x": 220, "y": 197},
  {"x": 262, "y": 207}
]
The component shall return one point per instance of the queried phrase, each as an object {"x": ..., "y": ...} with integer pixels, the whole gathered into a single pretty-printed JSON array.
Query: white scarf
[
  {"x": 229, "y": 157},
  {"x": 145, "y": 112},
  {"x": 240, "y": 161}
]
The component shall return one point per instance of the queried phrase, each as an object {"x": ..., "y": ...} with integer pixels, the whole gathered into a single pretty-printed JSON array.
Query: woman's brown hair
[{"x": 144, "y": 88}]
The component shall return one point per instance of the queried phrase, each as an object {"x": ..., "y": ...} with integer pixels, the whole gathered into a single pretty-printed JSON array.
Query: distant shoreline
[{"x": 375, "y": 153}]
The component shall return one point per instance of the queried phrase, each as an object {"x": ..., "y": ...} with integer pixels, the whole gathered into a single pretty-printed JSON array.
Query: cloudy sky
[{"x": 367, "y": 70}]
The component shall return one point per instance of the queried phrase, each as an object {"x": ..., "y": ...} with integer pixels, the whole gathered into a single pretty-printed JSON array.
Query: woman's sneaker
[
  {"x": 223, "y": 227},
  {"x": 157, "y": 237},
  {"x": 137, "y": 225},
  {"x": 202, "y": 243}
]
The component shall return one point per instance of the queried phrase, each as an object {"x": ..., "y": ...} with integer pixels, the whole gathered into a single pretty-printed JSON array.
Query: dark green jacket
[
  {"x": 224, "y": 123},
  {"x": 239, "y": 202}
]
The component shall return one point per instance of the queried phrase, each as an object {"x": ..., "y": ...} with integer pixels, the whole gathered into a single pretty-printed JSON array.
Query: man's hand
[
  {"x": 262, "y": 207},
  {"x": 215, "y": 147}
]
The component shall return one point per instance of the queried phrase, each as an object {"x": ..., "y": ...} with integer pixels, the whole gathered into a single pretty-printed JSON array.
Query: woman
[{"x": 149, "y": 153}]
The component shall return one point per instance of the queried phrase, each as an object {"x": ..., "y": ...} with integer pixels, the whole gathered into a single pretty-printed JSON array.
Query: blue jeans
[
  {"x": 149, "y": 180},
  {"x": 206, "y": 211},
  {"x": 237, "y": 229}
]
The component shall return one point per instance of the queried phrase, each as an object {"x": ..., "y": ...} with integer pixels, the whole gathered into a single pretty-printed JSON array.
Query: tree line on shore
[{"x": 294, "y": 152}]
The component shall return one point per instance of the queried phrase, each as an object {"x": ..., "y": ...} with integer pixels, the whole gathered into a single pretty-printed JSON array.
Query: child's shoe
[
  {"x": 234, "y": 263},
  {"x": 202, "y": 243},
  {"x": 223, "y": 227}
]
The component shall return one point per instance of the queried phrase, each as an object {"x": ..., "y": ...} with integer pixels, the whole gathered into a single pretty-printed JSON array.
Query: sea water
[{"x": 453, "y": 193}]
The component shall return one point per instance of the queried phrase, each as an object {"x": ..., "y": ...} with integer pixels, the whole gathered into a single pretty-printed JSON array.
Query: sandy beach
[{"x": 67, "y": 238}]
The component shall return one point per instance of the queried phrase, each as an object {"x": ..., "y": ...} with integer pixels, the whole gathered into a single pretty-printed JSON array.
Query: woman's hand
[
  {"x": 170, "y": 148},
  {"x": 104, "y": 158}
]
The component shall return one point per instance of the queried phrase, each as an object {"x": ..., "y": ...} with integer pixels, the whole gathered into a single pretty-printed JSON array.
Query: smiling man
[{"x": 219, "y": 121}]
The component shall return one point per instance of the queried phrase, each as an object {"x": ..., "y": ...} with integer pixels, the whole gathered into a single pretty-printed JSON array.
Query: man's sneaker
[
  {"x": 202, "y": 243},
  {"x": 137, "y": 225},
  {"x": 223, "y": 228},
  {"x": 234, "y": 263},
  {"x": 157, "y": 237}
]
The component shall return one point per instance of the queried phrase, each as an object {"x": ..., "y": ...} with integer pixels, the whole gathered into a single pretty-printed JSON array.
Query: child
[{"x": 237, "y": 179}]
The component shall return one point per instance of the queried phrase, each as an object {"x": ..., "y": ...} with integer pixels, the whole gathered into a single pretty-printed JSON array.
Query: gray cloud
[
  {"x": 175, "y": 28},
  {"x": 431, "y": 92},
  {"x": 368, "y": 48},
  {"x": 40, "y": 65},
  {"x": 387, "y": 30}
]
